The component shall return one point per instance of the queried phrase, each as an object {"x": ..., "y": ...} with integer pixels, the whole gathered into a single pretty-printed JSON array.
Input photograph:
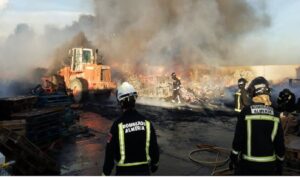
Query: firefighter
[
  {"x": 131, "y": 143},
  {"x": 241, "y": 97},
  {"x": 258, "y": 144},
  {"x": 286, "y": 101},
  {"x": 176, "y": 89}
]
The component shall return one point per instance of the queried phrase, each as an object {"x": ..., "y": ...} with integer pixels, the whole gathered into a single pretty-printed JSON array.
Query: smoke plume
[
  {"x": 138, "y": 36},
  {"x": 3, "y": 4},
  {"x": 174, "y": 33},
  {"x": 60, "y": 56}
]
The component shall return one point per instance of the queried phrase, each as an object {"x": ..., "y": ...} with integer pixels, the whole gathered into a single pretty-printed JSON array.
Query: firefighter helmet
[
  {"x": 126, "y": 90},
  {"x": 259, "y": 86},
  {"x": 286, "y": 91},
  {"x": 242, "y": 81},
  {"x": 285, "y": 95},
  {"x": 173, "y": 75}
]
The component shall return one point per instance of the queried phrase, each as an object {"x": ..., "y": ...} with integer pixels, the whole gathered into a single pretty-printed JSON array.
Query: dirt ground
[{"x": 179, "y": 129}]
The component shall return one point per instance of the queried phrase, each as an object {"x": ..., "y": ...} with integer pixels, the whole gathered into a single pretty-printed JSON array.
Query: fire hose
[
  {"x": 214, "y": 163},
  {"x": 219, "y": 163}
]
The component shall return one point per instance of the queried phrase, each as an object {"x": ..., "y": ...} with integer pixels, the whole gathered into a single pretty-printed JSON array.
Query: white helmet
[{"x": 125, "y": 90}]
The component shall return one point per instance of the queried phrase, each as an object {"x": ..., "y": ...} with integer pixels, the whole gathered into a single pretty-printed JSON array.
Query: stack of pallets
[
  {"x": 53, "y": 100},
  {"x": 43, "y": 126},
  {"x": 11, "y": 105},
  {"x": 18, "y": 126},
  {"x": 30, "y": 160},
  {"x": 59, "y": 99},
  {"x": 15, "y": 104}
]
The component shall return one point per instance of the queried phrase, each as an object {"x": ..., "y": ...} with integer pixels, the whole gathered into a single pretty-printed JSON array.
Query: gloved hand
[
  {"x": 154, "y": 168},
  {"x": 279, "y": 167},
  {"x": 233, "y": 161}
]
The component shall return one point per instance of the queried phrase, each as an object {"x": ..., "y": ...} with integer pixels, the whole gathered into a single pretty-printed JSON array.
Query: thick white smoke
[
  {"x": 173, "y": 32},
  {"x": 135, "y": 35},
  {"x": 3, "y": 4}
]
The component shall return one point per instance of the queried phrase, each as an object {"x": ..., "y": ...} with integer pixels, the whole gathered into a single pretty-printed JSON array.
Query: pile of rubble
[
  {"x": 204, "y": 90},
  {"x": 152, "y": 86}
]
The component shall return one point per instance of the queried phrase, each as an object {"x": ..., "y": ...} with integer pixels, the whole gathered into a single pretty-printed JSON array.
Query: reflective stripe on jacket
[
  {"x": 133, "y": 143},
  {"x": 240, "y": 100},
  {"x": 122, "y": 143},
  {"x": 259, "y": 135}
]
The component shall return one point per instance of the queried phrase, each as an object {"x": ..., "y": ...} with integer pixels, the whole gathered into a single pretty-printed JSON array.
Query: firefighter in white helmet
[{"x": 132, "y": 142}]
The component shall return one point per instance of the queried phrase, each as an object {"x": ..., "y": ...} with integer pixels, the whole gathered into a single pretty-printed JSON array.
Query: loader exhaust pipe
[{"x": 96, "y": 56}]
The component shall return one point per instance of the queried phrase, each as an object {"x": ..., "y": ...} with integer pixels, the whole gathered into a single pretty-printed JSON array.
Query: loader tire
[{"x": 79, "y": 89}]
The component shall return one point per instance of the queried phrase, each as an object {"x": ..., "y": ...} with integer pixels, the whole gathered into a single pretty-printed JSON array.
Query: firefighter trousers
[
  {"x": 247, "y": 168},
  {"x": 139, "y": 170}
]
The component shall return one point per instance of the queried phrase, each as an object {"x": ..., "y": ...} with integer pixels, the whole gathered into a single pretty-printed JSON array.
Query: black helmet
[
  {"x": 258, "y": 86},
  {"x": 173, "y": 76},
  {"x": 242, "y": 81},
  {"x": 286, "y": 91},
  {"x": 285, "y": 94}
]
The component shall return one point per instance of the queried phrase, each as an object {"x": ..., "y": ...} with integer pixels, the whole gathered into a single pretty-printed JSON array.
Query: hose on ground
[
  {"x": 224, "y": 152},
  {"x": 209, "y": 148},
  {"x": 219, "y": 151}
]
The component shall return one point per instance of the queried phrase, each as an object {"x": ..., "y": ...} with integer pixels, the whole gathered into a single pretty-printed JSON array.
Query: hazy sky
[
  {"x": 39, "y": 13},
  {"x": 283, "y": 34},
  {"x": 284, "y": 14}
]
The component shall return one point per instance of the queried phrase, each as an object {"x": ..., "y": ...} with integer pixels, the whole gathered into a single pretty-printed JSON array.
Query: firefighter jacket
[
  {"x": 176, "y": 84},
  {"x": 132, "y": 143},
  {"x": 259, "y": 135},
  {"x": 241, "y": 100}
]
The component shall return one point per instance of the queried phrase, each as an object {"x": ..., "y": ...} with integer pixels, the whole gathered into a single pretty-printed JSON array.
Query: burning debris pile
[
  {"x": 203, "y": 84},
  {"x": 200, "y": 84},
  {"x": 152, "y": 86}
]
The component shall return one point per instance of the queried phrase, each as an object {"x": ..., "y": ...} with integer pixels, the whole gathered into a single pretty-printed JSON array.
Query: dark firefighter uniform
[
  {"x": 241, "y": 97},
  {"x": 259, "y": 140},
  {"x": 176, "y": 88},
  {"x": 286, "y": 101},
  {"x": 132, "y": 145},
  {"x": 241, "y": 100}
]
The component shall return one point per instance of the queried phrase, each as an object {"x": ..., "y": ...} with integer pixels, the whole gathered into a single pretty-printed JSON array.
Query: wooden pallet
[
  {"x": 18, "y": 126},
  {"x": 12, "y": 105},
  {"x": 53, "y": 100},
  {"x": 30, "y": 160},
  {"x": 36, "y": 113},
  {"x": 42, "y": 125}
]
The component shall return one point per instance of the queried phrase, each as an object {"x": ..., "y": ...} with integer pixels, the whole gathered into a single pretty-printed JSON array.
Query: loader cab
[{"x": 81, "y": 57}]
